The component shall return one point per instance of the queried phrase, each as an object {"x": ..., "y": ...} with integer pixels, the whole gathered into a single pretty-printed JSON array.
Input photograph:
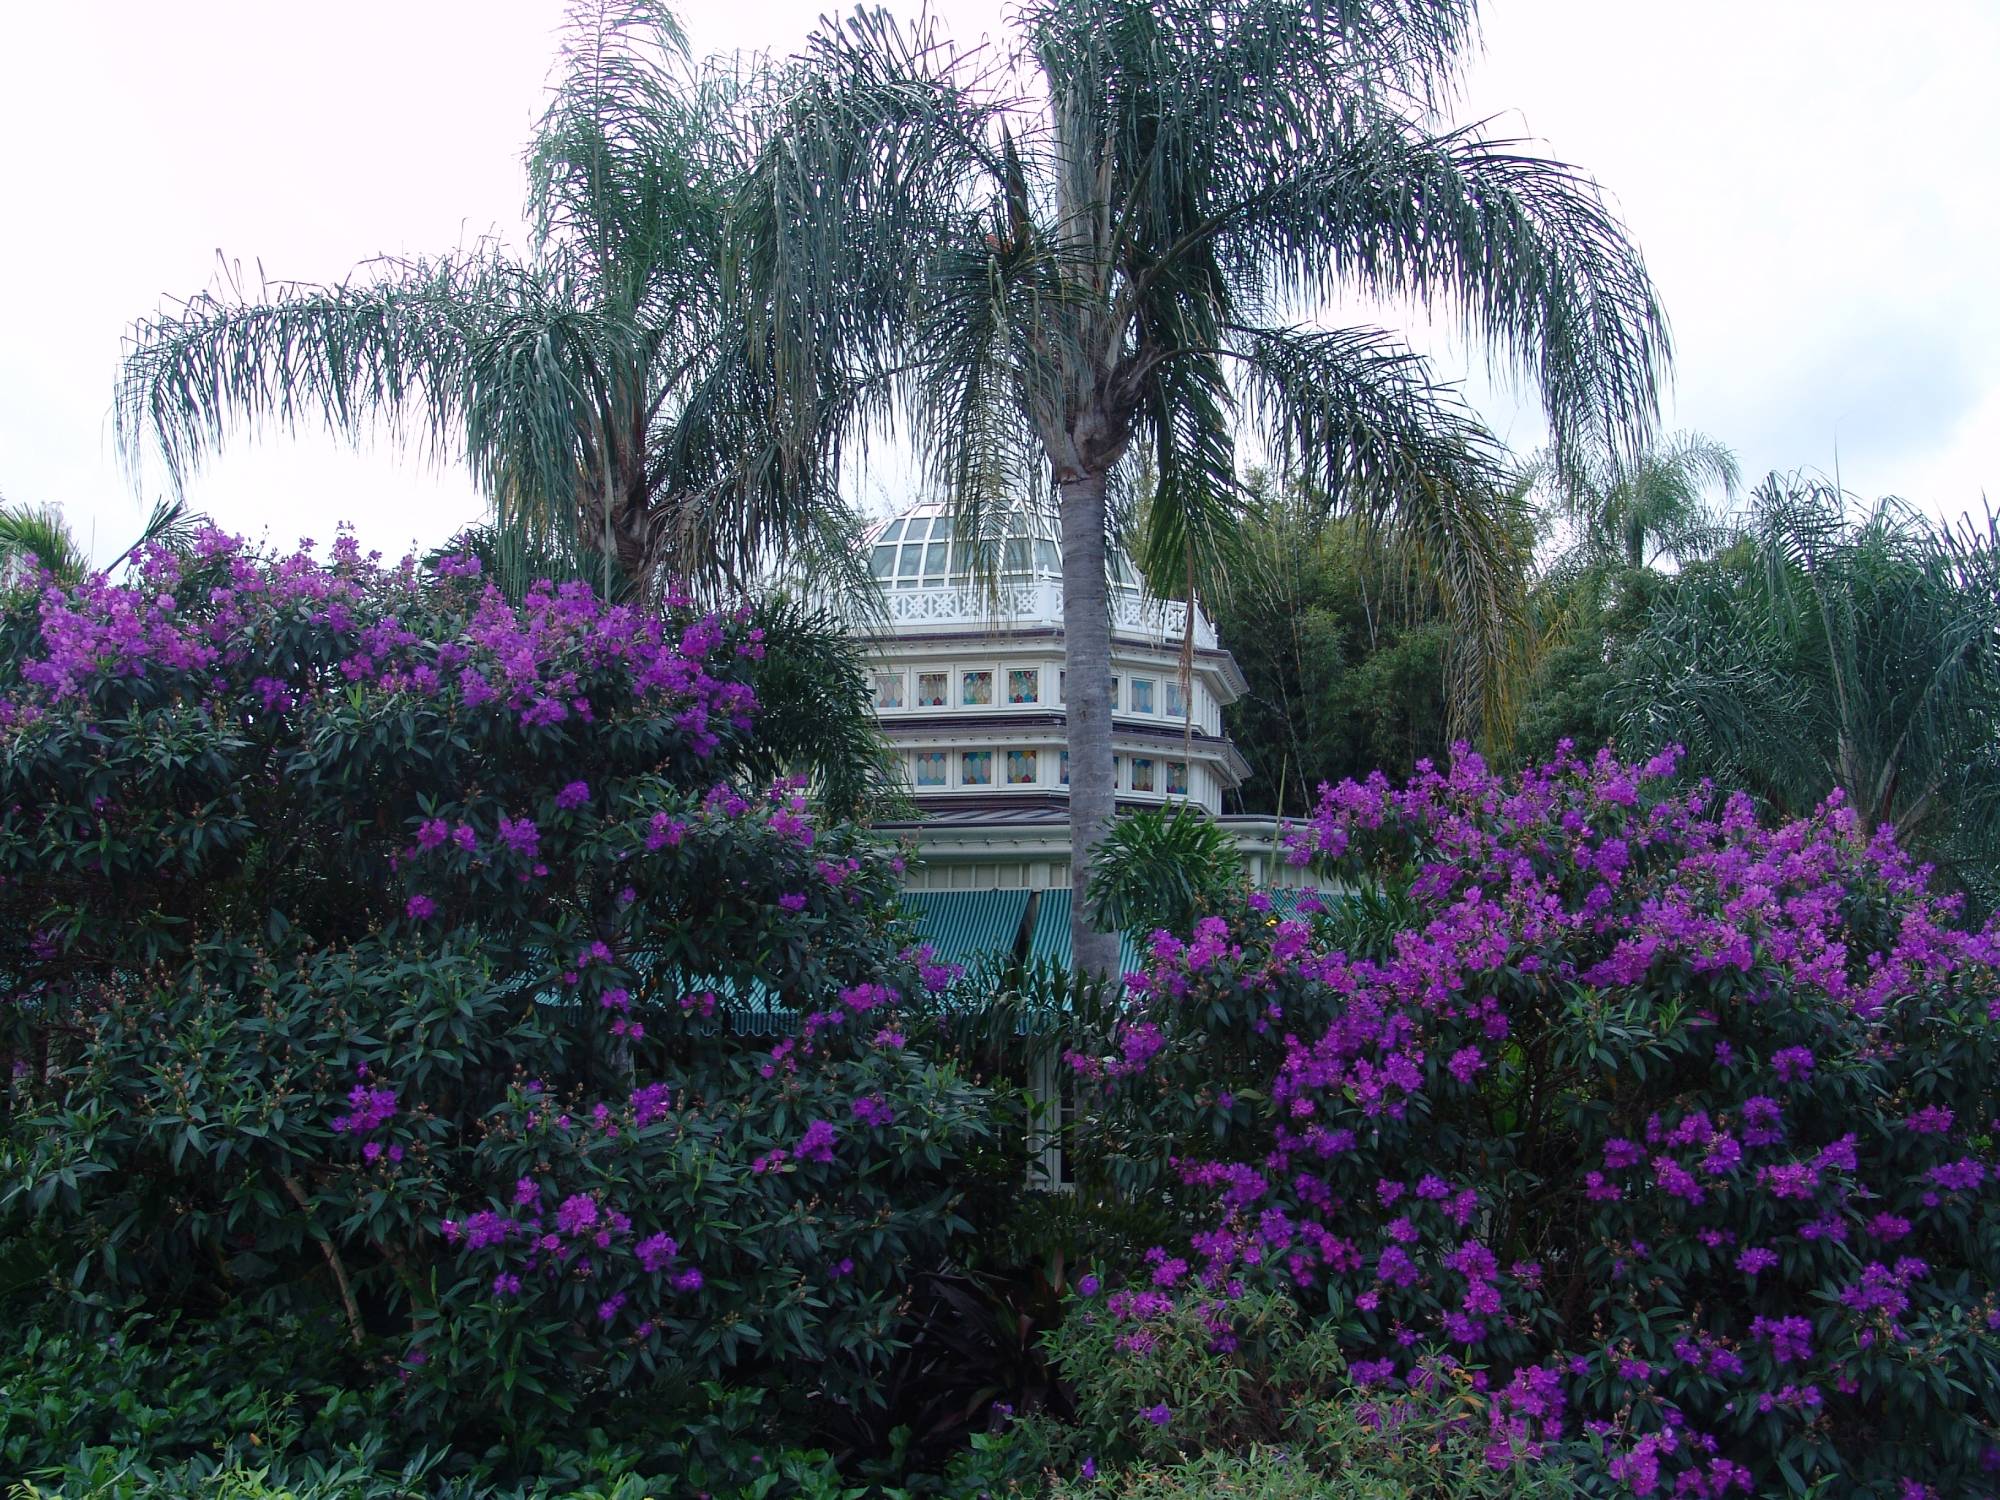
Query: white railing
[{"x": 1013, "y": 606}]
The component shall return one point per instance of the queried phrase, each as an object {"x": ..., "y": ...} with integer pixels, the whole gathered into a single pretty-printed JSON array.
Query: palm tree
[
  {"x": 1839, "y": 647},
  {"x": 1622, "y": 520},
  {"x": 39, "y": 537},
  {"x": 1654, "y": 508},
  {"x": 604, "y": 389},
  {"x": 1106, "y": 246}
]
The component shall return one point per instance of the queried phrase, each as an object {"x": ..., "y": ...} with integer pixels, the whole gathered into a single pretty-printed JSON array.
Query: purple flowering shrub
[
  {"x": 450, "y": 971},
  {"x": 1673, "y": 1132}
]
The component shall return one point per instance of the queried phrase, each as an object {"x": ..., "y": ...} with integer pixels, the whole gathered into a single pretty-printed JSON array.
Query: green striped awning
[
  {"x": 961, "y": 926},
  {"x": 1050, "y": 939}
]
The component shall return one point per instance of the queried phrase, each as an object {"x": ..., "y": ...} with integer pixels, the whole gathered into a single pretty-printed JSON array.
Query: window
[
  {"x": 1177, "y": 782},
  {"x": 1062, "y": 686},
  {"x": 1024, "y": 685},
  {"x": 1142, "y": 695},
  {"x": 1176, "y": 701},
  {"x": 977, "y": 689},
  {"x": 1114, "y": 695},
  {"x": 888, "y": 689},
  {"x": 1021, "y": 768},
  {"x": 932, "y": 688},
  {"x": 975, "y": 768},
  {"x": 1142, "y": 774},
  {"x": 933, "y": 769},
  {"x": 1062, "y": 764}
]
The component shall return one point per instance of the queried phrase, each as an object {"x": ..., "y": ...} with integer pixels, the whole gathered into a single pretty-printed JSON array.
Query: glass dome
[{"x": 918, "y": 549}]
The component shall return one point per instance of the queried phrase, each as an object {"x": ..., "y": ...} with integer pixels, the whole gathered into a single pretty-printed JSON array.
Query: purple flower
[
  {"x": 817, "y": 1142},
  {"x": 1088, "y": 1286},
  {"x": 1792, "y": 1063},
  {"x": 577, "y": 1215},
  {"x": 655, "y": 1251},
  {"x": 485, "y": 1229},
  {"x": 1960, "y": 1176},
  {"x": 1790, "y": 1338},
  {"x": 1159, "y": 1415},
  {"x": 1466, "y": 1063},
  {"x": 420, "y": 908},
  {"x": 1755, "y": 1261},
  {"x": 574, "y": 795},
  {"x": 873, "y": 1110}
]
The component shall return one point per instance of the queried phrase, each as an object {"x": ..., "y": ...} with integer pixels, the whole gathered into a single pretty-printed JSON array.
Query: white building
[{"x": 967, "y": 663}]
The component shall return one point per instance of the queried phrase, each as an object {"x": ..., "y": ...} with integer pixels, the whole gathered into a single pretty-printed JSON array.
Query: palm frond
[
  {"x": 394, "y": 345},
  {"x": 1523, "y": 250},
  {"x": 38, "y": 536},
  {"x": 1354, "y": 415}
]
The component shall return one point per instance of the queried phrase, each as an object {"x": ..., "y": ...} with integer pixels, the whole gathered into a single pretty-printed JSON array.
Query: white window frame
[
  {"x": 992, "y": 765},
  {"x": 903, "y": 678},
  {"x": 916, "y": 756},
  {"x": 993, "y": 681}
]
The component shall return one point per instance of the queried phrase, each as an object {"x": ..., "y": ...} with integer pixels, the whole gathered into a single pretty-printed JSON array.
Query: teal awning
[
  {"x": 962, "y": 926},
  {"x": 1050, "y": 939}
]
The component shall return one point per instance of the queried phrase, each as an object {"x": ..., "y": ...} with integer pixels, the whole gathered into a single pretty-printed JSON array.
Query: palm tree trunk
[{"x": 1087, "y": 705}]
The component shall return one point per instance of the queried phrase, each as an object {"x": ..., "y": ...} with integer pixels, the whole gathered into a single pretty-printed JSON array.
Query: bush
[
  {"x": 1211, "y": 1394},
  {"x": 426, "y": 969},
  {"x": 1674, "y": 1133}
]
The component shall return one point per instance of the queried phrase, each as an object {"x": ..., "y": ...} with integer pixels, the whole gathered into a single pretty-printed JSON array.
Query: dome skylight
[{"x": 917, "y": 549}]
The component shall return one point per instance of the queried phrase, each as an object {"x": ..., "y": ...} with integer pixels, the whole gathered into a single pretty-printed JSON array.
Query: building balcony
[{"x": 1035, "y": 605}]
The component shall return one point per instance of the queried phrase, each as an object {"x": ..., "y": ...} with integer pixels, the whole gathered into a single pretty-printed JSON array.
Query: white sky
[{"x": 1811, "y": 181}]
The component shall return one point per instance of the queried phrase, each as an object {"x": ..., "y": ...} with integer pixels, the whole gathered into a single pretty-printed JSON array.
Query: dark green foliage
[
  {"x": 1248, "y": 1398},
  {"x": 1162, "y": 868},
  {"x": 319, "y": 954},
  {"x": 1348, "y": 657},
  {"x": 1837, "y": 646}
]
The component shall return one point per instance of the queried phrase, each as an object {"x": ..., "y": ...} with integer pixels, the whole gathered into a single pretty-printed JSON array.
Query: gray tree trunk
[{"x": 1087, "y": 705}]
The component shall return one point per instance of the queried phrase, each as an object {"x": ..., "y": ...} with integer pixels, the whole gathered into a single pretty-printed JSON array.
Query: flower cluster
[
  {"x": 1627, "y": 1117},
  {"x": 201, "y": 622}
]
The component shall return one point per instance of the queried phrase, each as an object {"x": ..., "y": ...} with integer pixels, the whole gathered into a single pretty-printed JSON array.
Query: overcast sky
[{"x": 1812, "y": 182}]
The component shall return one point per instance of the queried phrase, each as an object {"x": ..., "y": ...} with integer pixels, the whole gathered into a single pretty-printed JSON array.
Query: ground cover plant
[
  {"x": 379, "y": 954},
  {"x": 1671, "y": 1131}
]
